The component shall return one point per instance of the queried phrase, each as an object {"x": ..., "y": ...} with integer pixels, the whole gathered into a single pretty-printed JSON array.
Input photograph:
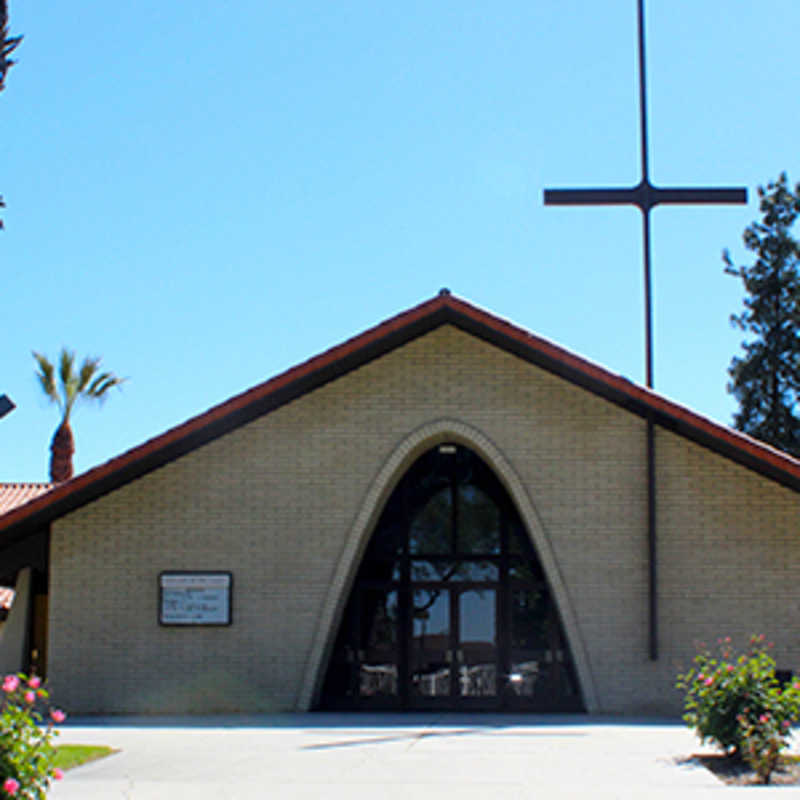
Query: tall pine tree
[{"x": 766, "y": 378}]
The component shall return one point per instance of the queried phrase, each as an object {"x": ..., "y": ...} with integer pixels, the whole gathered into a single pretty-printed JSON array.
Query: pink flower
[
  {"x": 708, "y": 681},
  {"x": 701, "y": 677},
  {"x": 30, "y": 697},
  {"x": 10, "y": 683},
  {"x": 34, "y": 682},
  {"x": 763, "y": 718},
  {"x": 58, "y": 774},
  {"x": 11, "y": 786},
  {"x": 786, "y": 723},
  {"x": 58, "y": 715},
  {"x": 730, "y": 668}
]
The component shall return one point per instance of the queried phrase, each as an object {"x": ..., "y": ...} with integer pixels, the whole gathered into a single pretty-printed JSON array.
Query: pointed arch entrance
[{"x": 450, "y": 607}]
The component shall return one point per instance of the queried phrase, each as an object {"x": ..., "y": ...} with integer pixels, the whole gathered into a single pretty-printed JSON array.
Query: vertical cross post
[{"x": 645, "y": 196}]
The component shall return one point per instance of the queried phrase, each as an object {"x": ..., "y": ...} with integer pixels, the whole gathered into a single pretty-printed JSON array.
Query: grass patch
[{"x": 69, "y": 756}]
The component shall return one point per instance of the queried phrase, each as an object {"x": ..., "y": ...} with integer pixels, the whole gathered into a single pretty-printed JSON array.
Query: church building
[{"x": 444, "y": 512}]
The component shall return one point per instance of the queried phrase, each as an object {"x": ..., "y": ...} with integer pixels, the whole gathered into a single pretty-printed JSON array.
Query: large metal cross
[{"x": 644, "y": 196}]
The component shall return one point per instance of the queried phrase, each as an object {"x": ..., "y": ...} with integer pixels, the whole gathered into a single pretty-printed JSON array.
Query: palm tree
[{"x": 88, "y": 383}]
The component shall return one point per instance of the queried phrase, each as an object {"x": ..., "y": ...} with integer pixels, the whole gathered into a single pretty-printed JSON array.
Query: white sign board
[{"x": 195, "y": 598}]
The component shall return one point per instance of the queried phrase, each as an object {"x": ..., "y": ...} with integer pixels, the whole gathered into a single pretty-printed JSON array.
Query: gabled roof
[{"x": 443, "y": 309}]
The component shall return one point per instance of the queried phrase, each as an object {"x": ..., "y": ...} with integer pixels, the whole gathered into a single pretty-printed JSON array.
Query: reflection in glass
[
  {"x": 444, "y": 570},
  {"x": 477, "y": 650},
  {"x": 523, "y": 677},
  {"x": 517, "y": 539},
  {"x": 379, "y": 639},
  {"x": 431, "y": 531},
  {"x": 525, "y": 571},
  {"x": 478, "y": 522},
  {"x": 430, "y": 643},
  {"x": 530, "y": 619}
]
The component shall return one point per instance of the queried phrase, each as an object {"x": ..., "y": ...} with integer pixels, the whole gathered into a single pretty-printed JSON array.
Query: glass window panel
[
  {"x": 478, "y": 522},
  {"x": 525, "y": 677},
  {"x": 387, "y": 541},
  {"x": 446, "y": 570},
  {"x": 430, "y": 643},
  {"x": 524, "y": 571},
  {"x": 431, "y": 529},
  {"x": 530, "y": 618},
  {"x": 518, "y": 541},
  {"x": 477, "y": 648},
  {"x": 380, "y": 620},
  {"x": 531, "y": 642}
]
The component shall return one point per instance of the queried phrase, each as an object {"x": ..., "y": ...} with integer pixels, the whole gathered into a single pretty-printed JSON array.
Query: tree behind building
[{"x": 766, "y": 379}]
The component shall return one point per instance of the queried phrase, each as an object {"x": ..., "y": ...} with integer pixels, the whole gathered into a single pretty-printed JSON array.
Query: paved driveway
[{"x": 390, "y": 757}]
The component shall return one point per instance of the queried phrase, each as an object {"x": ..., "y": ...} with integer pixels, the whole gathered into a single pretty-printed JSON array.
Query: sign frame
[{"x": 217, "y": 582}]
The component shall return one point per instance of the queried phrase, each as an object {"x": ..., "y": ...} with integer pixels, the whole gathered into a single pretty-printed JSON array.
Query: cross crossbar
[{"x": 644, "y": 196}]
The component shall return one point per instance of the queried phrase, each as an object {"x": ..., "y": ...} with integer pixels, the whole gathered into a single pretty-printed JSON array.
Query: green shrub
[
  {"x": 26, "y": 749},
  {"x": 738, "y": 703}
]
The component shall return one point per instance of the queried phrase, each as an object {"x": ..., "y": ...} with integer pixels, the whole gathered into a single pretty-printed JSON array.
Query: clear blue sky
[{"x": 207, "y": 193}]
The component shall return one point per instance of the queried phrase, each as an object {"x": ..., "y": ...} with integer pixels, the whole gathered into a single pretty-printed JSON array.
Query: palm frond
[
  {"x": 68, "y": 379},
  {"x": 47, "y": 378},
  {"x": 102, "y": 383},
  {"x": 87, "y": 371}
]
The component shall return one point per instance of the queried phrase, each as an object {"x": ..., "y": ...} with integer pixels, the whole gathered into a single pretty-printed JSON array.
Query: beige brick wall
[{"x": 275, "y": 502}]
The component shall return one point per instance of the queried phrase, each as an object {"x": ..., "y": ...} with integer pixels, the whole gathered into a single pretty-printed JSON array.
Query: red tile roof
[
  {"x": 439, "y": 310},
  {"x": 17, "y": 494}
]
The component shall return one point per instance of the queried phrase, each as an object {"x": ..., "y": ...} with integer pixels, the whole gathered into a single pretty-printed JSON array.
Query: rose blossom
[
  {"x": 30, "y": 697},
  {"x": 34, "y": 682},
  {"x": 11, "y": 786},
  {"x": 10, "y": 683},
  {"x": 58, "y": 774},
  {"x": 708, "y": 681},
  {"x": 58, "y": 715}
]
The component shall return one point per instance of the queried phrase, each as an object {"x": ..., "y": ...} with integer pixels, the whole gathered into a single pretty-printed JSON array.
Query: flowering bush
[
  {"x": 737, "y": 702},
  {"x": 26, "y": 749}
]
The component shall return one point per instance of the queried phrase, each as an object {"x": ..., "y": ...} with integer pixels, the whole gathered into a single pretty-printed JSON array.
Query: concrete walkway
[{"x": 391, "y": 757}]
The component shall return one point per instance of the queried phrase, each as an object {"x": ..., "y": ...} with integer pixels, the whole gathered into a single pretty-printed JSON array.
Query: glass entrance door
[{"x": 453, "y": 653}]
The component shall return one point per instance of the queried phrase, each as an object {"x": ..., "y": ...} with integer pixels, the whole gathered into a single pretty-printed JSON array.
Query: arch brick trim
[{"x": 395, "y": 466}]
